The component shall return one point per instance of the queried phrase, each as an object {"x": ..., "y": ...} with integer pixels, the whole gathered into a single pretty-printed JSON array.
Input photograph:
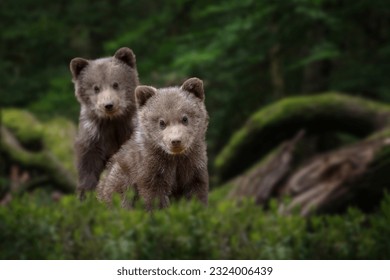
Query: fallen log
[
  {"x": 276, "y": 123},
  {"x": 351, "y": 173},
  {"x": 41, "y": 152},
  {"x": 354, "y": 175},
  {"x": 262, "y": 180}
]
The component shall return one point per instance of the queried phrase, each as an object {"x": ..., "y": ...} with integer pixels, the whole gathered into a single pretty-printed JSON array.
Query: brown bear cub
[
  {"x": 166, "y": 157},
  {"x": 105, "y": 90}
]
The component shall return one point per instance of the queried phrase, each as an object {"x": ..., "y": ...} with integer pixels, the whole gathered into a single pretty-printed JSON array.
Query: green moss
[
  {"x": 59, "y": 134},
  {"x": 270, "y": 125},
  {"x": 27, "y": 158},
  {"x": 44, "y": 146},
  {"x": 309, "y": 105},
  {"x": 23, "y": 125},
  {"x": 236, "y": 139},
  {"x": 380, "y": 134}
]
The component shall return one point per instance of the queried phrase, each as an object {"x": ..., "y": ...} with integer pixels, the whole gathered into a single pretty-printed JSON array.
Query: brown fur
[
  {"x": 105, "y": 90},
  {"x": 166, "y": 156}
]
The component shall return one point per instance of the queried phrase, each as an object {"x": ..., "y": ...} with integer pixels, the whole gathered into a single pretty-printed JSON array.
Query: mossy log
[
  {"x": 261, "y": 180},
  {"x": 355, "y": 173},
  {"x": 329, "y": 182},
  {"x": 270, "y": 126},
  {"x": 45, "y": 149}
]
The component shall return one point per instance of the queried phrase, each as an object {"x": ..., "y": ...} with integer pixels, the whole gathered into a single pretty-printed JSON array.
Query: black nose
[
  {"x": 176, "y": 142},
  {"x": 108, "y": 107}
]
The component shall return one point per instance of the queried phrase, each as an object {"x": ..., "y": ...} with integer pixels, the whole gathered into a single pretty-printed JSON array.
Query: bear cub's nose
[
  {"x": 109, "y": 106},
  {"x": 176, "y": 142}
]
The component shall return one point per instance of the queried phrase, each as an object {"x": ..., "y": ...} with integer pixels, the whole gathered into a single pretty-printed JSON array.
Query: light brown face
[
  {"x": 106, "y": 101},
  {"x": 106, "y": 86},
  {"x": 176, "y": 136},
  {"x": 171, "y": 118},
  {"x": 107, "y": 89}
]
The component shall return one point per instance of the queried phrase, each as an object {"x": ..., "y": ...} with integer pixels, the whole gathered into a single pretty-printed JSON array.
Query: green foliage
[
  {"x": 58, "y": 101},
  {"x": 249, "y": 53},
  {"x": 239, "y": 48},
  {"x": 35, "y": 228}
]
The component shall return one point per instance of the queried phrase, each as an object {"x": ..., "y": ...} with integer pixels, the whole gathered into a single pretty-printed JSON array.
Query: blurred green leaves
[
  {"x": 249, "y": 53},
  {"x": 33, "y": 229}
]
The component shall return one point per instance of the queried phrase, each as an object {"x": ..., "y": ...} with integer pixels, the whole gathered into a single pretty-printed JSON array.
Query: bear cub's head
[
  {"x": 173, "y": 119},
  {"x": 105, "y": 87}
]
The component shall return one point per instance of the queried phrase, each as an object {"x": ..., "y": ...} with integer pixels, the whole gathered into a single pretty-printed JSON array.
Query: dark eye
[
  {"x": 162, "y": 124},
  {"x": 184, "y": 120},
  {"x": 96, "y": 89},
  {"x": 115, "y": 85}
]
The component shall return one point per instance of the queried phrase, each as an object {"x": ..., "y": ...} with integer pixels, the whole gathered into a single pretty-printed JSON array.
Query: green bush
[{"x": 34, "y": 228}]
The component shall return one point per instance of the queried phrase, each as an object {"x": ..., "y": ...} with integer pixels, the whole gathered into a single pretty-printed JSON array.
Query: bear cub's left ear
[
  {"x": 142, "y": 94},
  {"x": 195, "y": 86}
]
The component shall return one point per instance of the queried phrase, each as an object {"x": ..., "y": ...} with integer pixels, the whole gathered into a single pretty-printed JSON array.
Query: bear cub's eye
[
  {"x": 96, "y": 89},
  {"x": 184, "y": 120},
  {"x": 162, "y": 124},
  {"x": 115, "y": 85}
]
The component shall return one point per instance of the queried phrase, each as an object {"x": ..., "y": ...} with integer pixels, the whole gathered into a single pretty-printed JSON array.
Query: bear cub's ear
[
  {"x": 126, "y": 55},
  {"x": 77, "y": 65},
  {"x": 195, "y": 86},
  {"x": 143, "y": 93}
]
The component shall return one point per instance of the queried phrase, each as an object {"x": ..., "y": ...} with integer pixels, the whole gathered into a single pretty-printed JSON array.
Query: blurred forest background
[{"x": 298, "y": 95}]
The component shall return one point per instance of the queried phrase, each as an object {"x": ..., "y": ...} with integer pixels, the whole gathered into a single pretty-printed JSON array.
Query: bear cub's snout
[{"x": 174, "y": 140}]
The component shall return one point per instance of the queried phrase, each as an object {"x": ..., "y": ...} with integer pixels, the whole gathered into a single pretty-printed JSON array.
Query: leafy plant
[{"x": 35, "y": 228}]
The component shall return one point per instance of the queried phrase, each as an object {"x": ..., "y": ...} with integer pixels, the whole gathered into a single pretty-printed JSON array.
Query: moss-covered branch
[
  {"x": 45, "y": 148},
  {"x": 273, "y": 124}
]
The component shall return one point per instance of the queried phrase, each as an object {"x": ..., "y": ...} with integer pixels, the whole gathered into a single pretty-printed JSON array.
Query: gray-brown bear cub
[
  {"x": 105, "y": 90},
  {"x": 166, "y": 157}
]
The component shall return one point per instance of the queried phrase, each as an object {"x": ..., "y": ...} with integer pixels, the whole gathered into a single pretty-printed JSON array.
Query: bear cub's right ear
[
  {"x": 126, "y": 55},
  {"x": 77, "y": 65},
  {"x": 143, "y": 93}
]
